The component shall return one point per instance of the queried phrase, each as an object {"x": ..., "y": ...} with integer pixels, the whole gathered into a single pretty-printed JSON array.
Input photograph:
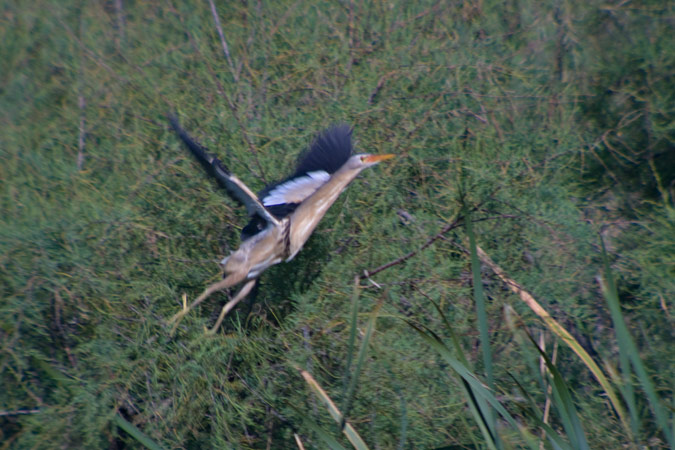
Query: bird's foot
[
  {"x": 231, "y": 304},
  {"x": 179, "y": 316}
]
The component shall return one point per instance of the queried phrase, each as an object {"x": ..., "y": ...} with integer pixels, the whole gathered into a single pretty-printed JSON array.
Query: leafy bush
[{"x": 550, "y": 124}]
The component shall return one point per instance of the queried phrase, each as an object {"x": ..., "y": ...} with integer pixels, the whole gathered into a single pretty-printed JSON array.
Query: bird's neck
[{"x": 307, "y": 216}]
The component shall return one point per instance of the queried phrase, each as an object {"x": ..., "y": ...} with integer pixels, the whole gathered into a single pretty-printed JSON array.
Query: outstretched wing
[
  {"x": 329, "y": 151},
  {"x": 234, "y": 186}
]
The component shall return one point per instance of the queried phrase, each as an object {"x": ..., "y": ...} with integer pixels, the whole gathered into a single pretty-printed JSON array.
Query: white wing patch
[{"x": 297, "y": 189}]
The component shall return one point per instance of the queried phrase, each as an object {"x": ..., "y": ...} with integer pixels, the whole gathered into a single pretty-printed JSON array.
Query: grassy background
[{"x": 553, "y": 121}]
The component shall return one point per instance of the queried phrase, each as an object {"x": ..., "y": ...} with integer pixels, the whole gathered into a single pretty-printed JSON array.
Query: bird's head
[{"x": 364, "y": 160}]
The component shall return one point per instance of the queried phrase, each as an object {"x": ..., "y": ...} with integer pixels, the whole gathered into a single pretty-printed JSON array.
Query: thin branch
[
  {"x": 81, "y": 104},
  {"x": 119, "y": 10},
  {"x": 80, "y": 140},
  {"x": 226, "y": 50},
  {"x": 454, "y": 224},
  {"x": 440, "y": 235},
  {"x": 18, "y": 412},
  {"x": 380, "y": 85},
  {"x": 404, "y": 23},
  {"x": 230, "y": 104}
]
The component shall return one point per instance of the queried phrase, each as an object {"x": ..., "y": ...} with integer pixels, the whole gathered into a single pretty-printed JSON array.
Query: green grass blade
[
  {"x": 479, "y": 298},
  {"x": 137, "y": 434},
  {"x": 360, "y": 361},
  {"x": 327, "y": 439},
  {"x": 515, "y": 323},
  {"x": 626, "y": 386},
  {"x": 481, "y": 314},
  {"x": 628, "y": 346},
  {"x": 350, "y": 345},
  {"x": 564, "y": 335},
  {"x": 473, "y": 401},
  {"x": 477, "y": 405},
  {"x": 627, "y": 389},
  {"x": 563, "y": 402},
  {"x": 556, "y": 441},
  {"x": 477, "y": 387},
  {"x": 404, "y": 423}
]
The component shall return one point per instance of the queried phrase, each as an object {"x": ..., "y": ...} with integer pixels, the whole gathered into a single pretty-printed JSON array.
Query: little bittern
[{"x": 283, "y": 215}]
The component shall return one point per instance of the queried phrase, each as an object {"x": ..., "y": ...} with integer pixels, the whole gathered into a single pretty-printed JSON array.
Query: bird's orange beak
[{"x": 377, "y": 158}]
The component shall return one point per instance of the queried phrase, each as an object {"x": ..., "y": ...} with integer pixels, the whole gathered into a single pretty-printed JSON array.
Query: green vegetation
[{"x": 546, "y": 320}]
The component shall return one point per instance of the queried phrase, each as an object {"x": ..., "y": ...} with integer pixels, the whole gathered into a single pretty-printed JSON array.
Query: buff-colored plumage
[{"x": 308, "y": 194}]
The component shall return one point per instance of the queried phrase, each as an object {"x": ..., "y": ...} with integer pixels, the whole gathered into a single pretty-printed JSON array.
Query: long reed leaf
[
  {"x": 563, "y": 402},
  {"x": 360, "y": 361},
  {"x": 627, "y": 346},
  {"x": 333, "y": 410},
  {"x": 556, "y": 441},
  {"x": 564, "y": 335},
  {"x": 481, "y": 314},
  {"x": 350, "y": 345},
  {"x": 477, "y": 387},
  {"x": 477, "y": 404},
  {"x": 479, "y": 299},
  {"x": 137, "y": 434}
]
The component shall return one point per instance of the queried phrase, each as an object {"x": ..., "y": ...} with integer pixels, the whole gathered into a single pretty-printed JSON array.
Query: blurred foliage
[{"x": 554, "y": 120}]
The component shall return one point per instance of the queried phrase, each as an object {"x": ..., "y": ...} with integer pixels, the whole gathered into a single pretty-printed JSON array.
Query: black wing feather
[
  {"x": 257, "y": 224},
  {"x": 328, "y": 152},
  {"x": 235, "y": 187},
  {"x": 208, "y": 162}
]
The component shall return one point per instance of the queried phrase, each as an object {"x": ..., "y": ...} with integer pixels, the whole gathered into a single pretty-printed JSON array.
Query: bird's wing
[
  {"x": 295, "y": 190},
  {"x": 329, "y": 151},
  {"x": 234, "y": 186}
]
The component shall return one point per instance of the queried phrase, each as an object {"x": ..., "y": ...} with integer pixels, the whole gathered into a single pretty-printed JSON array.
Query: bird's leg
[
  {"x": 225, "y": 283},
  {"x": 231, "y": 304}
]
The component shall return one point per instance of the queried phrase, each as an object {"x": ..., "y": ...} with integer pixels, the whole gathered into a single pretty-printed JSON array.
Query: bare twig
[
  {"x": 230, "y": 104},
  {"x": 454, "y": 224},
  {"x": 18, "y": 412},
  {"x": 120, "y": 21},
  {"x": 440, "y": 235},
  {"x": 404, "y": 23},
  {"x": 379, "y": 86},
  {"x": 226, "y": 50},
  {"x": 81, "y": 137},
  {"x": 81, "y": 105}
]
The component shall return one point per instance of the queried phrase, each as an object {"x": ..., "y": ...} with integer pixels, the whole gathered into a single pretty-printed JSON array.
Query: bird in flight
[{"x": 283, "y": 215}]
